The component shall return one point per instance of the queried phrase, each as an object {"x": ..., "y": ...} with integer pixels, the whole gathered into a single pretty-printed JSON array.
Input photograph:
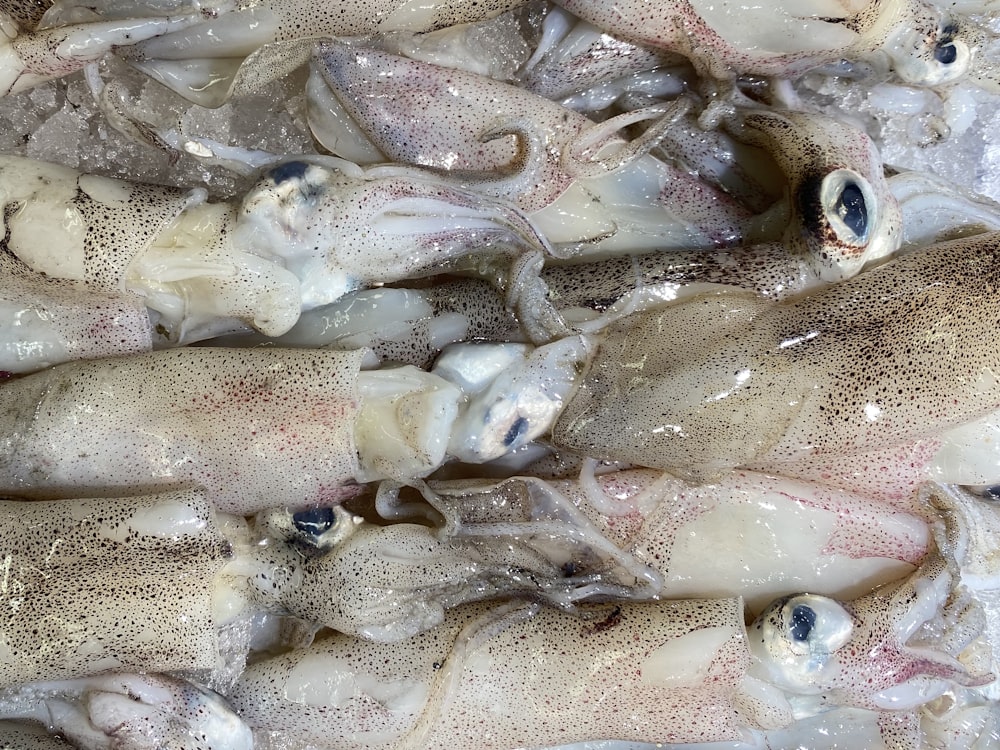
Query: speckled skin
[
  {"x": 811, "y": 35},
  {"x": 727, "y": 380},
  {"x": 108, "y": 222},
  {"x": 256, "y": 428},
  {"x": 561, "y": 665},
  {"x": 23, "y": 736},
  {"x": 70, "y": 565},
  {"x": 130, "y": 711},
  {"x": 25, "y": 13},
  {"x": 444, "y": 118},
  {"x": 433, "y": 116},
  {"x": 72, "y": 322}
]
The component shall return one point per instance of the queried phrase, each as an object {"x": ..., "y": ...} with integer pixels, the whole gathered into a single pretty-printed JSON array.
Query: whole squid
[
  {"x": 627, "y": 535},
  {"x": 589, "y": 191},
  {"x": 672, "y": 672}
]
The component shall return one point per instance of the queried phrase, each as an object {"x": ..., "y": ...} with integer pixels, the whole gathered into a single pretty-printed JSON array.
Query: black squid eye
[
  {"x": 290, "y": 170},
  {"x": 852, "y": 210},
  {"x": 803, "y": 621},
  {"x": 315, "y": 522},
  {"x": 945, "y": 53}
]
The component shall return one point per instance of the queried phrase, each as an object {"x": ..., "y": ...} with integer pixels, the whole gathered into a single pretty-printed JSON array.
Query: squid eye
[
  {"x": 795, "y": 639},
  {"x": 945, "y": 52},
  {"x": 315, "y": 522},
  {"x": 290, "y": 170},
  {"x": 848, "y": 205},
  {"x": 313, "y": 533},
  {"x": 951, "y": 54}
]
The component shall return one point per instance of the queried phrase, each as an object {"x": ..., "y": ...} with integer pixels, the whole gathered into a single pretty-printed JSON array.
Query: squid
[
  {"x": 809, "y": 379},
  {"x": 914, "y": 40},
  {"x": 627, "y": 671},
  {"x": 587, "y": 190},
  {"x": 32, "y": 53},
  {"x": 768, "y": 536},
  {"x": 263, "y": 427},
  {"x": 628, "y": 535},
  {"x": 302, "y": 237},
  {"x": 239, "y": 45}
]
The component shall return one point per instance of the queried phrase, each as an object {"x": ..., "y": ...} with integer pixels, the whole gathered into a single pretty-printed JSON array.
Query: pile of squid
[{"x": 586, "y": 385}]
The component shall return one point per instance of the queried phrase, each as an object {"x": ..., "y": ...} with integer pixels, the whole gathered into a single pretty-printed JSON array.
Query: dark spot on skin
[
  {"x": 803, "y": 622},
  {"x": 516, "y": 430},
  {"x": 292, "y": 170},
  {"x": 314, "y": 522},
  {"x": 610, "y": 621},
  {"x": 852, "y": 209}
]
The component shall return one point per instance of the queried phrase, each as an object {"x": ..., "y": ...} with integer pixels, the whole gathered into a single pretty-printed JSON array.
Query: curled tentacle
[{"x": 579, "y": 159}]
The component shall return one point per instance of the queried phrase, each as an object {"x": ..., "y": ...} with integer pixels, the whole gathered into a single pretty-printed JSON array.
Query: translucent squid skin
[
  {"x": 745, "y": 534},
  {"x": 29, "y": 56},
  {"x": 652, "y": 667},
  {"x": 48, "y": 321},
  {"x": 253, "y": 427},
  {"x": 70, "y": 564},
  {"x": 726, "y": 380},
  {"x": 920, "y": 43},
  {"x": 205, "y": 62},
  {"x": 445, "y": 688},
  {"x": 128, "y": 711}
]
